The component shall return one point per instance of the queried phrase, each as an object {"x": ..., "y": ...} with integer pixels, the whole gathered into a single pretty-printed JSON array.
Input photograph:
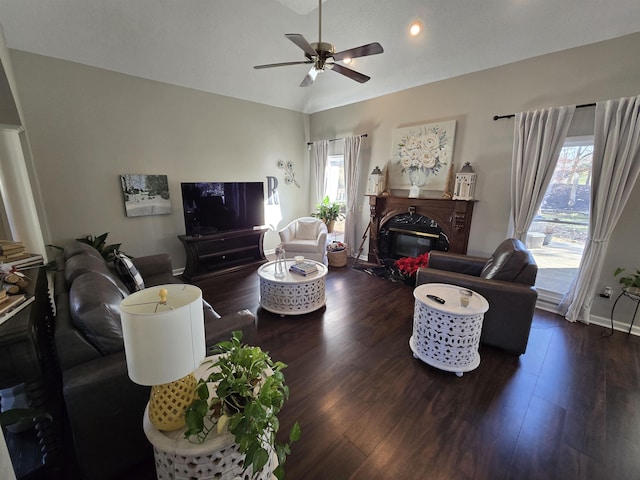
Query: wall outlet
[{"x": 606, "y": 292}]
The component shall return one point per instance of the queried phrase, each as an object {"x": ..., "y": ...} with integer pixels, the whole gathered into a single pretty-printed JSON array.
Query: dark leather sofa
[
  {"x": 104, "y": 407},
  {"x": 506, "y": 280}
]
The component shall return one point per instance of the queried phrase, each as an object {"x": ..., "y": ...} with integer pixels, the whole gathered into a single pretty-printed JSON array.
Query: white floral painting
[{"x": 422, "y": 155}]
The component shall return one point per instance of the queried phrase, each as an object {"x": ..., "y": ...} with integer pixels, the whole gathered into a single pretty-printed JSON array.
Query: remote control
[{"x": 436, "y": 299}]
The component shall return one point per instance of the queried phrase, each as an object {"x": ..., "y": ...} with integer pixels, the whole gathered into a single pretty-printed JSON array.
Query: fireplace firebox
[
  {"x": 407, "y": 227},
  {"x": 410, "y": 235}
]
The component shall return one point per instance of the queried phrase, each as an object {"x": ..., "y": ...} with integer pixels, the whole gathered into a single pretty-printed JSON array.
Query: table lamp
[{"x": 164, "y": 342}]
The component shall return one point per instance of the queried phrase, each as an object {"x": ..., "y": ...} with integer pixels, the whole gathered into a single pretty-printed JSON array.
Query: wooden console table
[
  {"x": 27, "y": 357},
  {"x": 217, "y": 253}
]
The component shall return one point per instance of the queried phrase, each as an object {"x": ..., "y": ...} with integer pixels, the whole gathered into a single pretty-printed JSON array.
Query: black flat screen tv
[{"x": 214, "y": 207}]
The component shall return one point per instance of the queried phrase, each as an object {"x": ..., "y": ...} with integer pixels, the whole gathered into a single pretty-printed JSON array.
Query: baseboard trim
[{"x": 549, "y": 303}]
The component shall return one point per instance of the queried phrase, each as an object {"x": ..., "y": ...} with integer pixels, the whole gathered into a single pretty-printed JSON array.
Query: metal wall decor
[{"x": 289, "y": 174}]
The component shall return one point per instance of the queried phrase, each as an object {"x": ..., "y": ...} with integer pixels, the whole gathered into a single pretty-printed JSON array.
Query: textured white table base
[
  {"x": 447, "y": 336},
  {"x": 218, "y": 457},
  {"x": 293, "y": 294},
  {"x": 224, "y": 464}
]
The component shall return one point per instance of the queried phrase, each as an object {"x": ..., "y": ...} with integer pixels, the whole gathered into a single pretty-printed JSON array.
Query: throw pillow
[
  {"x": 306, "y": 230},
  {"x": 128, "y": 272}
]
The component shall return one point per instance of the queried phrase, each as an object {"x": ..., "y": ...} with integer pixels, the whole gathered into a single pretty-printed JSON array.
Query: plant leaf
[{"x": 295, "y": 433}]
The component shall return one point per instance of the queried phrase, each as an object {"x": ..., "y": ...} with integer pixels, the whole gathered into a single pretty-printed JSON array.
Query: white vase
[
  {"x": 418, "y": 176},
  {"x": 280, "y": 266}
]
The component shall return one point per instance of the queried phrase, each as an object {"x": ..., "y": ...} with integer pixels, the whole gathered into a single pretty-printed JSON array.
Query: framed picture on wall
[
  {"x": 421, "y": 155},
  {"x": 145, "y": 194}
]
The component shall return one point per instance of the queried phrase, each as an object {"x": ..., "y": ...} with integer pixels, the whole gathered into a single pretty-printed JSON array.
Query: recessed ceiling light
[{"x": 415, "y": 28}]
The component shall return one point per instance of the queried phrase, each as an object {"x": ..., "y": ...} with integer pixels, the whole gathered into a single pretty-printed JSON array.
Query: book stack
[
  {"x": 13, "y": 256},
  {"x": 12, "y": 304},
  {"x": 10, "y": 250},
  {"x": 12, "y": 296},
  {"x": 304, "y": 268}
]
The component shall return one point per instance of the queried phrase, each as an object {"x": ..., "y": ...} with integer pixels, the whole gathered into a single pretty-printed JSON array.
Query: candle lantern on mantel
[
  {"x": 465, "y": 183},
  {"x": 376, "y": 182}
]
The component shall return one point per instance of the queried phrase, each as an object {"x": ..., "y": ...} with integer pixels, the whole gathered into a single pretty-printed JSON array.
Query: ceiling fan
[{"x": 322, "y": 55}]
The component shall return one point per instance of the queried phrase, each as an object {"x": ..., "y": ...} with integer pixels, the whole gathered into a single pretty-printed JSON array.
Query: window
[
  {"x": 334, "y": 176},
  {"x": 558, "y": 233},
  {"x": 335, "y": 189}
]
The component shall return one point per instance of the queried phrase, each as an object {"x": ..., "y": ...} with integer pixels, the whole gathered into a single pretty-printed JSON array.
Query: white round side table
[
  {"x": 446, "y": 335},
  {"x": 218, "y": 457},
  {"x": 292, "y": 294}
]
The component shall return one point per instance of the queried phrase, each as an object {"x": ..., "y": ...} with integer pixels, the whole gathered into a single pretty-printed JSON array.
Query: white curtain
[
  {"x": 616, "y": 165},
  {"x": 319, "y": 158},
  {"x": 351, "y": 181},
  {"x": 538, "y": 139}
]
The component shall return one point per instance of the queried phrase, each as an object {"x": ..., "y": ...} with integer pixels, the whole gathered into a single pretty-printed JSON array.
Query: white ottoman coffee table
[{"x": 292, "y": 294}]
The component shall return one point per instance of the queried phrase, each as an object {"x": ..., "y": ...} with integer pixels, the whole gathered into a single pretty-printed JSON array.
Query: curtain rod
[
  {"x": 499, "y": 117},
  {"x": 364, "y": 135}
]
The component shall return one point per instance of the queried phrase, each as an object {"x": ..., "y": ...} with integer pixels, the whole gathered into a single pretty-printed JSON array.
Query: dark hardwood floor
[{"x": 567, "y": 409}]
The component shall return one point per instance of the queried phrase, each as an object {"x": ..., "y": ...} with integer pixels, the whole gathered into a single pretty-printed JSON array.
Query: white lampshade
[{"x": 163, "y": 342}]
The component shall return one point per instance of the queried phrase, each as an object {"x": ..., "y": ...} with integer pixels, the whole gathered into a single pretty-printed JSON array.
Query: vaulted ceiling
[{"x": 212, "y": 45}]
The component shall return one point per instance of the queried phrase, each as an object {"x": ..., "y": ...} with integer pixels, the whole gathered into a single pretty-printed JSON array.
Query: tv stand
[{"x": 218, "y": 253}]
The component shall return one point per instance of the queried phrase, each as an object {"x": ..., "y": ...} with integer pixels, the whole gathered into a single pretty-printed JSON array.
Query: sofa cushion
[
  {"x": 128, "y": 272},
  {"x": 507, "y": 262},
  {"x": 94, "y": 303},
  {"x": 302, "y": 246},
  {"x": 75, "y": 248},
  {"x": 82, "y": 263},
  {"x": 307, "y": 229}
]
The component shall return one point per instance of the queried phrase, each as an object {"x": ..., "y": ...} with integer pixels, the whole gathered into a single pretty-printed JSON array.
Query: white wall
[
  {"x": 87, "y": 126},
  {"x": 577, "y": 76}
]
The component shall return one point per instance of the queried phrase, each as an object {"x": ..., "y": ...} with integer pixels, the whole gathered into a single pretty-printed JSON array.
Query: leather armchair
[
  {"x": 306, "y": 236},
  {"x": 506, "y": 280}
]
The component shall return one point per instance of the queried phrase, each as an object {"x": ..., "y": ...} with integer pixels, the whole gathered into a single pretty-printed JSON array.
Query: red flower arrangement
[{"x": 410, "y": 265}]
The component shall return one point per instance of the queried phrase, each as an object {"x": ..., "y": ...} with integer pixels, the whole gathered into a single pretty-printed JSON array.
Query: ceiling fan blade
[
  {"x": 283, "y": 64},
  {"x": 361, "y": 51},
  {"x": 352, "y": 74},
  {"x": 301, "y": 42},
  {"x": 310, "y": 77}
]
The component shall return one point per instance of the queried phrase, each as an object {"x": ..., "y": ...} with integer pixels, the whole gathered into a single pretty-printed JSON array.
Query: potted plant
[
  {"x": 631, "y": 282},
  {"x": 99, "y": 242},
  {"x": 249, "y": 391},
  {"x": 328, "y": 212}
]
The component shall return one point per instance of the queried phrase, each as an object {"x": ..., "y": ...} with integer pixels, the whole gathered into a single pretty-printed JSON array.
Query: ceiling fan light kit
[{"x": 323, "y": 55}]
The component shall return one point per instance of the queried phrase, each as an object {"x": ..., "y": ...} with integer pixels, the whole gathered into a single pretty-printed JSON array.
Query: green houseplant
[
  {"x": 250, "y": 390},
  {"x": 328, "y": 212},
  {"x": 629, "y": 281},
  {"x": 99, "y": 242}
]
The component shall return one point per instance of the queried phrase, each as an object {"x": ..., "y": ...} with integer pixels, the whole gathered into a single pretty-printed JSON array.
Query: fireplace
[
  {"x": 408, "y": 227},
  {"x": 410, "y": 235}
]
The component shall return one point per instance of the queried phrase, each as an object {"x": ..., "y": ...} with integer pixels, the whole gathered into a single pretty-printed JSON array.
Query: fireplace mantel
[{"x": 453, "y": 216}]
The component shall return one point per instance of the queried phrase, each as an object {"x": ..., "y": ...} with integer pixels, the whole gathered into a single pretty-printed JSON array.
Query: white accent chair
[{"x": 306, "y": 236}]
